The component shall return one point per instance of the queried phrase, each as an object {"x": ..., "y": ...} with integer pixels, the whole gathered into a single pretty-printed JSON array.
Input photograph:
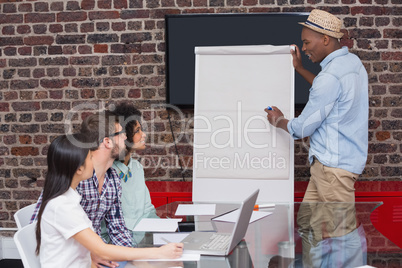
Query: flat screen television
[{"x": 185, "y": 32}]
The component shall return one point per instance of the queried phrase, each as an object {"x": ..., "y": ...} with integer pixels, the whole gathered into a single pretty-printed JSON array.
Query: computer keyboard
[{"x": 217, "y": 242}]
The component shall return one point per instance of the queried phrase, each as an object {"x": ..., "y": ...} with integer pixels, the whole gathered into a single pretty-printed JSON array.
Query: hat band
[{"x": 318, "y": 26}]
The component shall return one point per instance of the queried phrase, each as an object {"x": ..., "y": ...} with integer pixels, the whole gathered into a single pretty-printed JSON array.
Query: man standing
[
  {"x": 336, "y": 114},
  {"x": 336, "y": 120}
]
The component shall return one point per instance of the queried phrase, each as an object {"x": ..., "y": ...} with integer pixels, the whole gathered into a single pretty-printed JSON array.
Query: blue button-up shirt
[{"x": 336, "y": 114}]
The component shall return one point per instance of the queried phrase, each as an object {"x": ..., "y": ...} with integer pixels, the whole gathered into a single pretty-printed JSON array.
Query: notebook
[{"x": 221, "y": 244}]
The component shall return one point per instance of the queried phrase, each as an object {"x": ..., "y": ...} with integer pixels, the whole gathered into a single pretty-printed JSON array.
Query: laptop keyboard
[{"x": 217, "y": 242}]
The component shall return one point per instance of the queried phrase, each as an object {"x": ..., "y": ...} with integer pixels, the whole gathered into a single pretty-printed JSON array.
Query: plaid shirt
[{"x": 106, "y": 206}]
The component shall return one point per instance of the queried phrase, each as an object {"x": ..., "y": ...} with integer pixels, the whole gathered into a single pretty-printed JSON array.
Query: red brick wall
[{"x": 56, "y": 56}]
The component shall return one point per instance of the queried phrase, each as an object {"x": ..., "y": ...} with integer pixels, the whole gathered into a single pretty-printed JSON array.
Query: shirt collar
[
  {"x": 337, "y": 53},
  {"x": 121, "y": 166}
]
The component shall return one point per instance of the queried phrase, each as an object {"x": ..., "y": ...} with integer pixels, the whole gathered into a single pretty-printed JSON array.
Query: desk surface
[{"x": 297, "y": 235}]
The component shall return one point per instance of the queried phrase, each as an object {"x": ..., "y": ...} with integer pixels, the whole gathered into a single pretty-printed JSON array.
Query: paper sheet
[
  {"x": 234, "y": 215},
  {"x": 157, "y": 225},
  {"x": 196, "y": 209},
  {"x": 162, "y": 238}
]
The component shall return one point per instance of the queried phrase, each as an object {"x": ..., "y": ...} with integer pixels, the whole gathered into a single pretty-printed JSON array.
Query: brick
[
  {"x": 8, "y": 19},
  {"x": 41, "y": 117},
  {"x": 54, "y": 83},
  {"x": 136, "y": 37},
  {"x": 86, "y": 82},
  {"x": 118, "y": 26},
  {"x": 102, "y": 38},
  {"x": 100, "y": 71},
  {"x": 115, "y": 70},
  {"x": 53, "y": 128},
  {"x": 40, "y": 50},
  {"x": 11, "y": 41},
  {"x": 103, "y": 93},
  {"x": 120, "y": 4},
  {"x": 39, "y": 17},
  {"x": 391, "y": 171},
  {"x": 392, "y": 124},
  {"x": 87, "y": 27},
  {"x": 73, "y": 5},
  {"x": 134, "y": 14},
  {"x": 24, "y": 73},
  {"x": 40, "y": 139},
  {"x": 383, "y": 135},
  {"x": 55, "y": 28},
  {"x": 57, "y": 6},
  {"x": 116, "y": 60},
  {"x": 25, "y": 7},
  {"x": 135, "y": 3},
  {"x": 25, "y": 139},
  {"x": 125, "y": 48},
  {"x": 110, "y": 82},
  {"x": 102, "y": 26},
  {"x": 24, "y": 84},
  {"x": 8, "y": 140},
  {"x": 87, "y": 4},
  {"x": 8, "y": 74},
  {"x": 85, "y": 49},
  {"x": 87, "y": 93},
  {"x": 69, "y": 72},
  {"x": 160, "y": 13},
  {"x": 25, "y": 51},
  {"x": 8, "y": 30},
  {"x": 41, "y": 7},
  {"x": 25, "y": 118},
  {"x": 55, "y": 50},
  {"x": 71, "y": 16},
  {"x": 101, "y": 48},
  {"x": 56, "y": 94},
  {"x": 84, "y": 60},
  {"x": 370, "y": 10},
  {"x": 56, "y": 117},
  {"x": 40, "y": 28},
  {"x": 382, "y": 148},
  {"x": 103, "y": 15},
  {"x": 38, "y": 40},
  {"x": 396, "y": 113},
  {"x": 38, "y": 73},
  {"x": 53, "y": 61},
  {"x": 390, "y": 78},
  {"x": 4, "y": 107},
  {"x": 26, "y": 195},
  {"x": 70, "y": 39},
  {"x": 23, "y": 29},
  {"x": 382, "y": 21},
  {"x": 105, "y": 4},
  {"x": 25, "y": 106},
  {"x": 25, "y": 151},
  {"x": 10, "y": 51},
  {"x": 71, "y": 28}
]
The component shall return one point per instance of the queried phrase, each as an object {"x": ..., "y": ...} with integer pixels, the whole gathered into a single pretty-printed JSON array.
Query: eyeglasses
[{"x": 114, "y": 134}]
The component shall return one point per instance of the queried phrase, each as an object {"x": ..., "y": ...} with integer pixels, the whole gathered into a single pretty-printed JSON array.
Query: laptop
[{"x": 221, "y": 244}]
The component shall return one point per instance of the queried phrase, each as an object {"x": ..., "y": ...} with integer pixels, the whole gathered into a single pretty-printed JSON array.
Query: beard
[{"x": 118, "y": 153}]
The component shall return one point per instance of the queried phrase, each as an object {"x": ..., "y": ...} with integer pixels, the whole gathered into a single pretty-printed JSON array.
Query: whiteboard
[{"x": 235, "y": 148}]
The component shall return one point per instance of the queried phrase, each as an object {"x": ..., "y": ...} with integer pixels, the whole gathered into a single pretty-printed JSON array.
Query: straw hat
[{"x": 323, "y": 22}]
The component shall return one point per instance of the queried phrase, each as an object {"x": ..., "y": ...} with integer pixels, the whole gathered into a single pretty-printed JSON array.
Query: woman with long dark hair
[{"x": 64, "y": 233}]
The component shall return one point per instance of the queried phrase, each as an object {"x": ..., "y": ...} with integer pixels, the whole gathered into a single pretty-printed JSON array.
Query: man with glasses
[{"x": 101, "y": 193}]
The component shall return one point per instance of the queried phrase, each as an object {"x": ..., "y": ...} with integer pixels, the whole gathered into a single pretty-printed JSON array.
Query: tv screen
[{"x": 185, "y": 32}]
